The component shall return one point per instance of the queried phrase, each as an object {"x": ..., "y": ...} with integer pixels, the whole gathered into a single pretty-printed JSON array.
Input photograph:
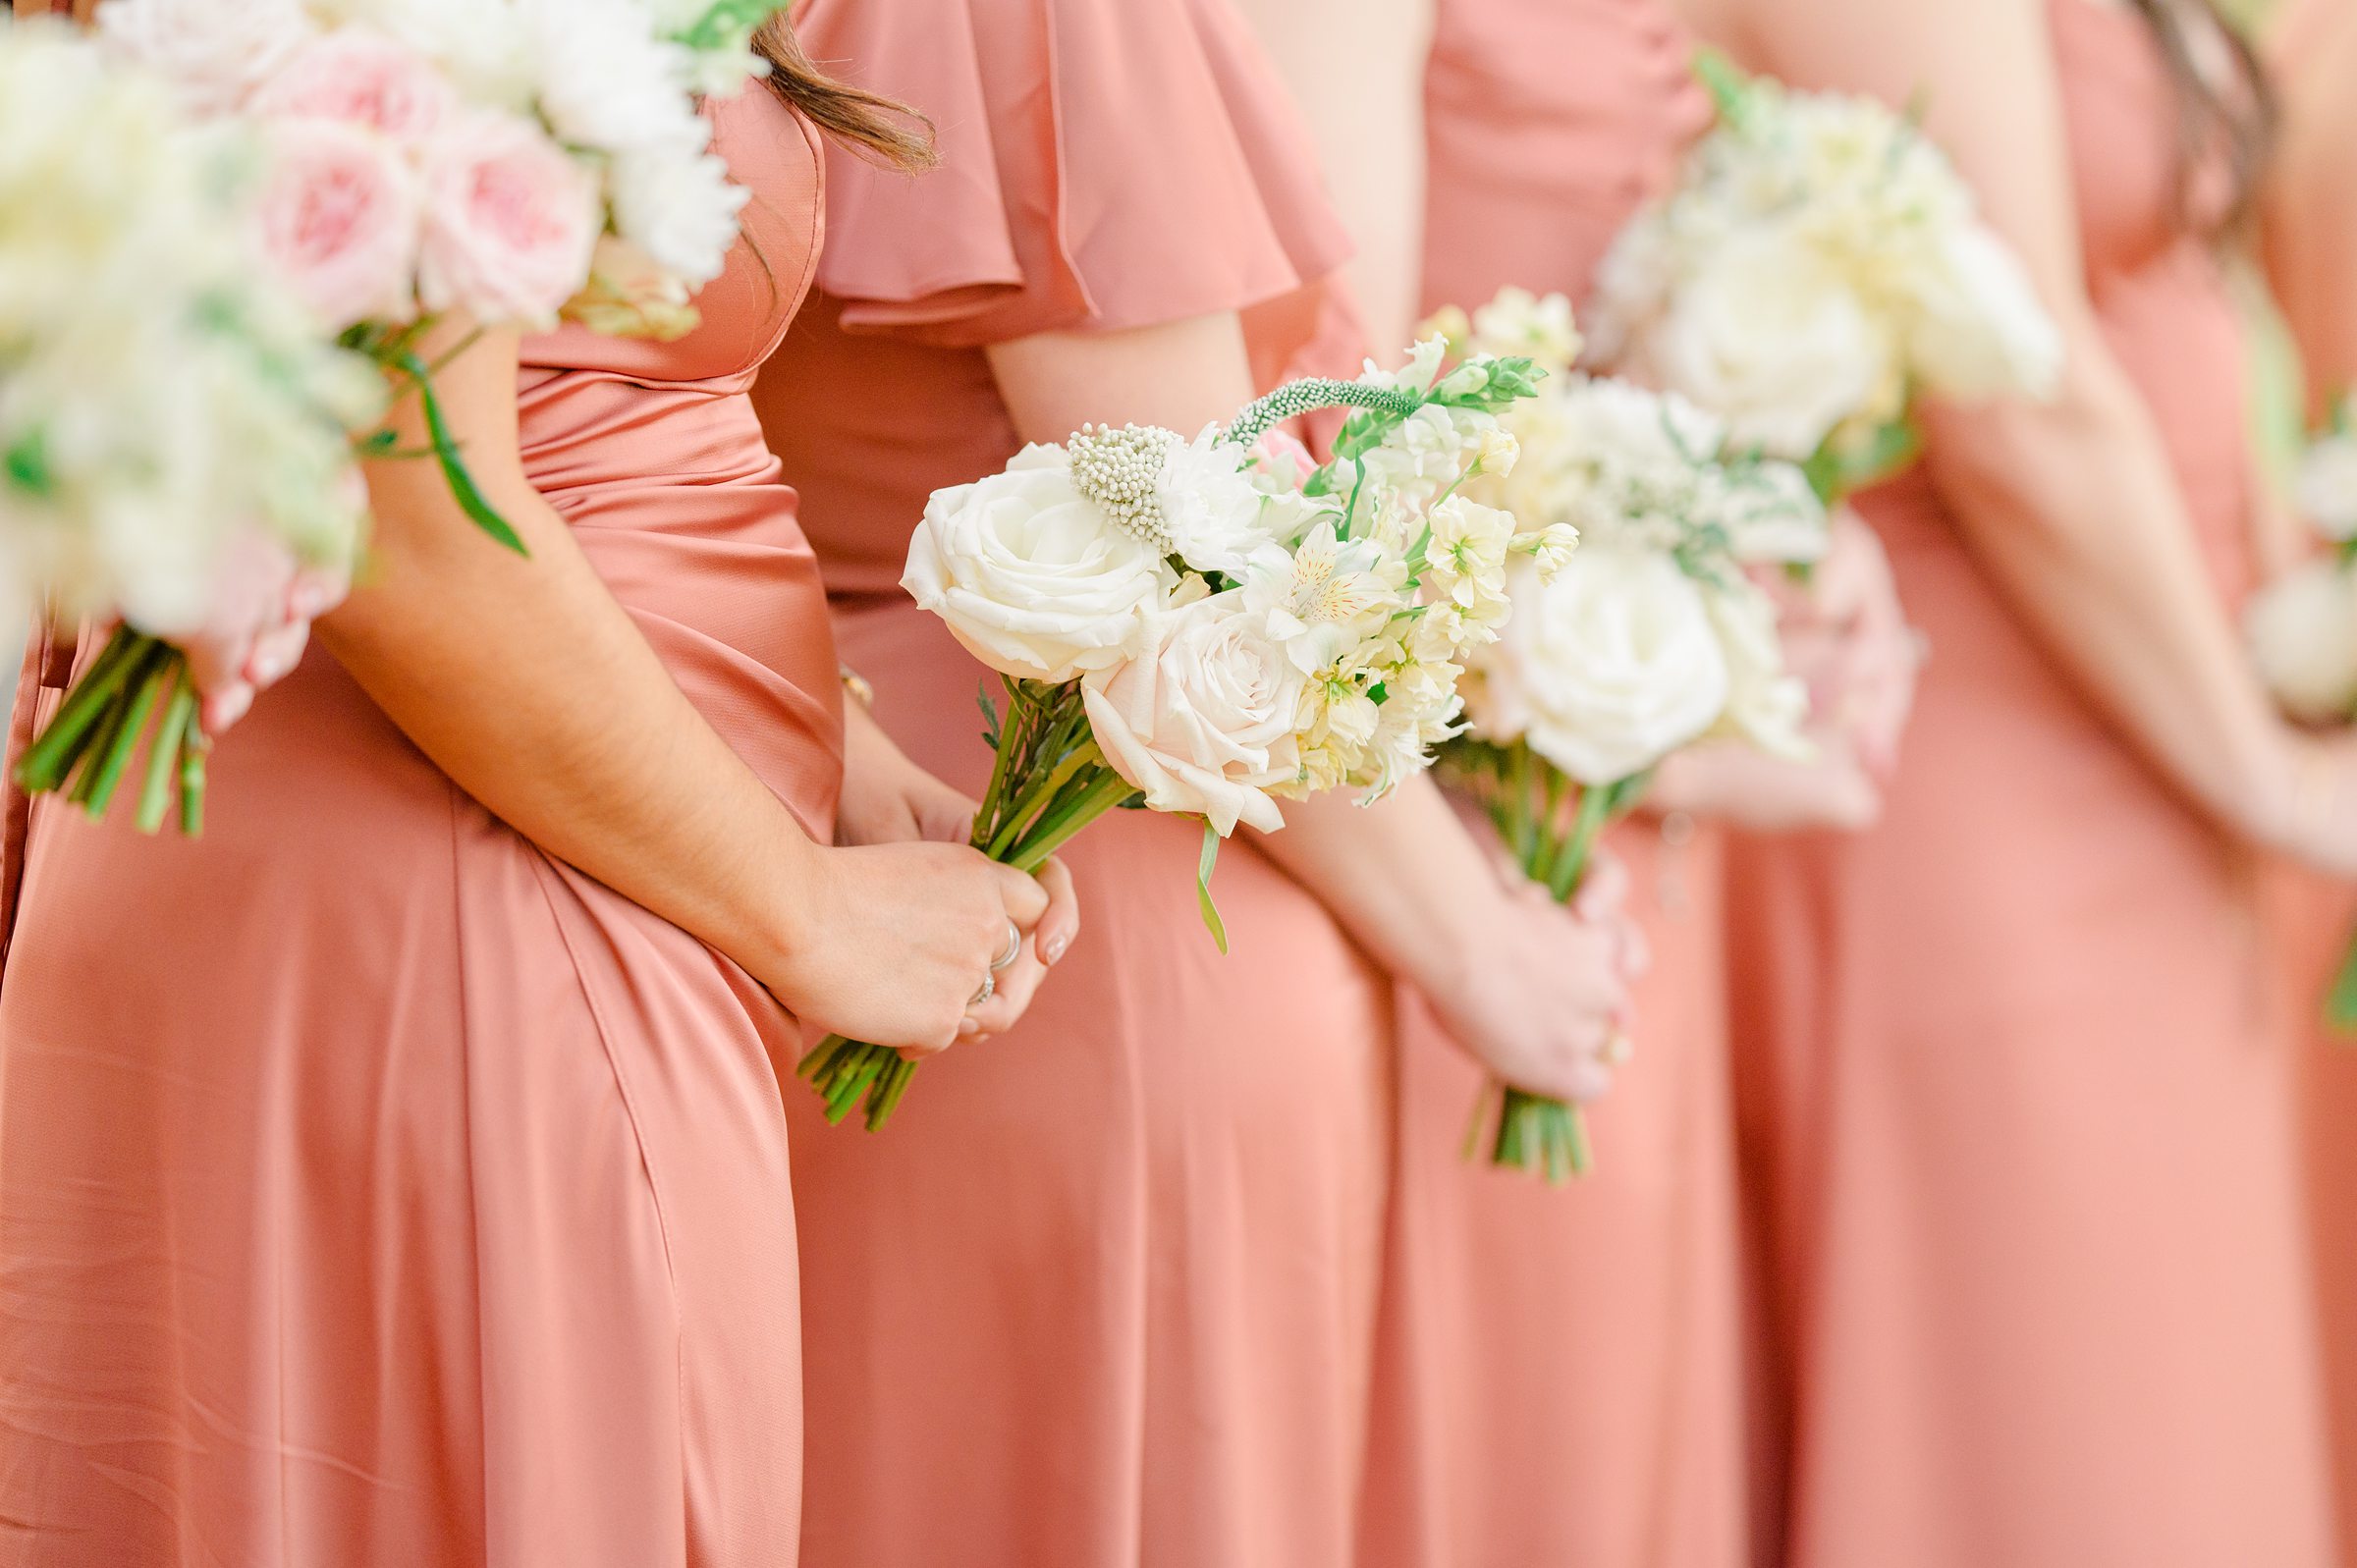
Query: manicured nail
[
  {"x": 1054, "y": 949},
  {"x": 968, "y": 1027}
]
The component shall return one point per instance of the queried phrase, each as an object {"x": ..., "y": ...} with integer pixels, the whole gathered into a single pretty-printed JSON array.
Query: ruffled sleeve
[{"x": 1104, "y": 164}]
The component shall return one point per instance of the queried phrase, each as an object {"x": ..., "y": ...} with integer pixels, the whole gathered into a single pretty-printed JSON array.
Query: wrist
[{"x": 784, "y": 904}]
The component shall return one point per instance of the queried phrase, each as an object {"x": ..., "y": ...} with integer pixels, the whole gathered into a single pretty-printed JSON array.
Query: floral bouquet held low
[
  {"x": 1204, "y": 627},
  {"x": 2302, "y": 628},
  {"x": 404, "y": 164},
  {"x": 1652, "y": 637},
  {"x": 1819, "y": 264}
]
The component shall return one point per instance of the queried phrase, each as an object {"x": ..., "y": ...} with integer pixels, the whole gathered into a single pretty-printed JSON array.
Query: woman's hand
[
  {"x": 1540, "y": 999},
  {"x": 2314, "y": 818},
  {"x": 888, "y": 799},
  {"x": 1847, "y": 636},
  {"x": 892, "y": 944}
]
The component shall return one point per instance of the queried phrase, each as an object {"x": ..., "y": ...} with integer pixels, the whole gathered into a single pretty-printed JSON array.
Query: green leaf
[
  {"x": 27, "y": 464},
  {"x": 461, "y": 483},
  {"x": 1726, "y": 82},
  {"x": 2341, "y": 1002},
  {"x": 1203, "y": 867},
  {"x": 727, "y": 21}
]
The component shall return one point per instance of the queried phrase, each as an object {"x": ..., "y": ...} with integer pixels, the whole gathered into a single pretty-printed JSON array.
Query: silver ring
[
  {"x": 1014, "y": 950},
  {"x": 990, "y": 989}
]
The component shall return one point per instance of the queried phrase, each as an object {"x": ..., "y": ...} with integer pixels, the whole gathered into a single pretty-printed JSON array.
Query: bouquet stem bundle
[
  {"x": 1049, "y": 782},
  {"x": 86, "y": 750},
  {"x": 1551, "y": 823}
]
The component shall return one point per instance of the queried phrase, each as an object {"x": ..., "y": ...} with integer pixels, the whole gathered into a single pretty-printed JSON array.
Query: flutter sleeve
[{"x": 1105, "y": 164}]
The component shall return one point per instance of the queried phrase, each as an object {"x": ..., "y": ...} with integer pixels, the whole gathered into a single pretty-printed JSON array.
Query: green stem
[
  {"x": 123, "y": 738},
  {"x": 194, "y": 746},
  {"x": 1040, "y": 800},
  {"x": 165, "y": 756},
  {"x": 49, "y": 761},
  {"x": 1053, "y": 834}
]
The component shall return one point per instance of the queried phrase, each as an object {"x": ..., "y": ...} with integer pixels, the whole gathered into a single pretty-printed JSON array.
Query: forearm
[
  {"x": 1405, "y": 877},
  {"x": 2310, "y": 219},
  {"x": 2074, "y": 511},
  {"x": 525, "y": 680}
]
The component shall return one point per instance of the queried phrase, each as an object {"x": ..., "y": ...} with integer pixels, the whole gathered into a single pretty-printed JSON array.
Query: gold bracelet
[{"x": 855, "y": 687}]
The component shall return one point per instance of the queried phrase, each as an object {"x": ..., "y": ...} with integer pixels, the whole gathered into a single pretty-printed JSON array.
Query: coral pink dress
[
  {"x": 2023, "y": 1107},
  {"x": 375, "y": 1189},
  {"x": 1102, "y": 1294},
  {"x": 1559, "y": 1380}
]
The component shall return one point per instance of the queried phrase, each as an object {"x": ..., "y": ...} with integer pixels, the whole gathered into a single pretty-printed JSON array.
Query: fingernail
[
  {"x": 1054, "y": 949},
  {"x": 968, "y": 1027}
]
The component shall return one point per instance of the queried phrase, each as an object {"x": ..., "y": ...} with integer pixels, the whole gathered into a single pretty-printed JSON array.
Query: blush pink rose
[
  {"x": 339, "y": 218},
  {"x": 263, "y": 607},
  {"x": 511, "y": 222},
  {"x": 360, "y": 78}
]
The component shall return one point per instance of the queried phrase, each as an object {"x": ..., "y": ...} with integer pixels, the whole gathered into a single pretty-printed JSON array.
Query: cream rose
[
  {"x": 1766, "y": 705},
  {"x": 1204, "y": 719},
  {"x": 1981, "y": 330},
  {"x": 1028, "y": 576},
  {"x": 1769, "y": 338},
  {"x": 213, "y": 52},
  {"x": 2303, "y": 636},
  {"x": 1615, "y": 664},
  {"x": 511, "y": 221}
]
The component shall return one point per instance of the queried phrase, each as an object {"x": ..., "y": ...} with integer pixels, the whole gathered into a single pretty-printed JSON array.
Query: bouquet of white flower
[
  {"x": 507, "y": 161},
  {"x": 174, "y": 436},
  {"x": 1817, "y": 265},
  {"x": 1207, "y": 626},
  {"x": 2302, "y": 628},
  {"x": 1650, "y": 638}
]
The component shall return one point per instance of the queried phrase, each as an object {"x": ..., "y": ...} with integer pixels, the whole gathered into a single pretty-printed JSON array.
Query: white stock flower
[
  {"x": 1029, "y": 579},
  {"x": 2326, "y": 488},
  {"x": 679, "y": 208},
  {"x": 2303, "y": 636},
  {"x": 1209, "y": 504},
  {"x": 1612, "y": 665},
  {"x": 1519, "y": 322},
  {"x": 1771, "y": 340},
  {"x": 607, "y": 83},
  {"x": 1202, "y": 720}
]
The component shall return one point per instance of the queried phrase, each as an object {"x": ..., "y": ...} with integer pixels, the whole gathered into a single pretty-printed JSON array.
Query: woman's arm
[
  {"x": 2311, "y": 199},
  {"x": 1531, "y": 990},
  {"x": 2071, "y": 504},
  {"x": 1357, "y": 75},
  {"x": 526, "y": 683}
]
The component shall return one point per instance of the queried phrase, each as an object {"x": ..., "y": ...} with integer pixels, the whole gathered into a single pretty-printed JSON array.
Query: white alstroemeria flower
[{"x": 1325, "y": 595}]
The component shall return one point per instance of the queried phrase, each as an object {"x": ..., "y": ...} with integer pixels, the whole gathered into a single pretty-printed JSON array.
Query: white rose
[
  {"x": 2327, "y": 486},
  {"x": 1982, "y": 331},
  {"x": 1616, "y": 662},
  {"x": 2303, "y": 637},
  {"x": 1027, "y": 574},
  {"x": 1765, "y": 705},
  {"x": 1768, "y": 338},
  {"x": 213, "y": 52},
  {"x": 1203, "y": 719}
]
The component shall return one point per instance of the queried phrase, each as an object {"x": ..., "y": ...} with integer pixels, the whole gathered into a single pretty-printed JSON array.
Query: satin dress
[
  {"x": 1561, "y": 1372},
  {"x": 375, "y": 1189},
  {"x": 1102, "y": 1293},
  {"x": 2016, "y": 1077}
]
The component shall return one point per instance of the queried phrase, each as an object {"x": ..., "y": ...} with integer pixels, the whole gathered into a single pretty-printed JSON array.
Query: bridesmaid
[
  {"x": 1560, "y": 1375},
  {"x": 2018, "y": 1093},
  {"x": 1153, "y": 1215},
  {"x": 397, "y": 1174},
  {"x": 2312, "y": 256}
]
